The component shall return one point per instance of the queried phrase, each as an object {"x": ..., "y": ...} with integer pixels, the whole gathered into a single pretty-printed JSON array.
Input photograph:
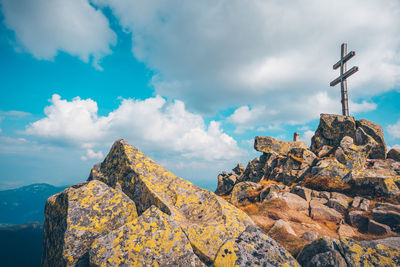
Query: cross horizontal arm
[
  {"x": 344, "y": 59},
  {"x": 344, "y": 76}
]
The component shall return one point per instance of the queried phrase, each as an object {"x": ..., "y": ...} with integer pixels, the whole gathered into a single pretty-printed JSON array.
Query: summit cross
[{"x": 343, "y": 76}]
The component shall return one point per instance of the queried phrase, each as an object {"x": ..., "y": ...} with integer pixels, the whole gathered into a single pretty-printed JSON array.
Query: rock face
[
  {"x": 271, "y": 145},
  {"x": 376, "y": 132},
  {"x": 394, "y": 154},
  {"x": 178, "y": 224},
  {"x": 77, "y": 216}
]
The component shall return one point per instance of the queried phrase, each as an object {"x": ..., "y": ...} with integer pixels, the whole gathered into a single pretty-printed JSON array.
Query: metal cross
[{"x": 343, "y": 76}]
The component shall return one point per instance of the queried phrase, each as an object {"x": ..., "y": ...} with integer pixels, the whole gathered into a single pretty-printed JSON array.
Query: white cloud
[
  {"x": 277, "y": 54},
  {"x": 151, "y": 124},
  {"x": 14, "y": 113},
  {"x": 91, "y": 154},
  {"x": 295, "y": 110},
  {"x": 44, "y": 28},
  {"x": 394, "y": 129},
  {"x": 307, "y": 135}
]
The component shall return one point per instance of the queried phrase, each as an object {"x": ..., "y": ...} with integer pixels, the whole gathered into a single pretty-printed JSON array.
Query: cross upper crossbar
[{"x": 344, "y": 57}]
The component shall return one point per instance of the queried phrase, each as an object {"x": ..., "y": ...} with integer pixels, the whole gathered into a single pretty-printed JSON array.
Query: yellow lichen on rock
[
  {"x": 207, "y": 219},
  {"x": 153, "y": 239},
  {"x": 79, "y": 214},
  {"x": 268, "y": 144}
]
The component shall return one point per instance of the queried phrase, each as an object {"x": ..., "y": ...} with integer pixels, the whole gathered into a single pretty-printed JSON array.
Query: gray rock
[
  {"x": 321, "y": 252},
  {"x": 394, "y": 154},
  {"x": 359, "y": 220},
  {"x": 339, "y": 205},
  {"x": 375, "y": 131},
  {"x": 310, "y": 236},
  {"x": 388, "y": 217},
  {"x": 282, "y": 225},
  {"x": 320, "y": 212},
  {"x": 393, "y": 242},
  {"x": 364, "y": 205},
  {"x": 268, "y": 144},
  {"x": 226, "y": 182},
  {"x": 356, "y": 202},
  {"x": 302, "y": 192},
  {"x": 240, "y": 192},
  {"x": 345, "y": 230},
  {"x": 376, "y": 228}
]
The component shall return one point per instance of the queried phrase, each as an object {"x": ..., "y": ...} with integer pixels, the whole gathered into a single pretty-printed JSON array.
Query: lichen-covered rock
[
  {"x": 375, "y": 131},
  {"x": 296, "y": 165},
  {"x": 268, "y": 145},
  {"x": 77, "y": 216},
  {"x": 329, "y": 168},
  {"x": 331, "y": 130},
  {"x": 226, "y": 182},
  {"x": 253, "y": 248},
  {"x": 207, "y": 220},
  {"x": 352, "y": 156},
  {"x": 153, "y": 239},
  {"x": 302, "y": 192},
  {"x": 394, "y": 154},
  {"x": 326, "y": 251},
  {"x": 255, "y": 170},
  {"x": 240, "y": 192}
]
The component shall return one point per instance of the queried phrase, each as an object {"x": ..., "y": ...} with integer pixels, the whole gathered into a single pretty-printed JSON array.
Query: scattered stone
[
  {"x": 321, "y": 212},
  {"x": 375, "y": 131},
  {"x": 387, "y": 207},
  {"x": 282, "y": 225},
  {"x": 310, "y": 236},
  {"x": 356, "y": 202},
  {"x": 392, "y": 242},
  {"x": 388, "y": 217},
  {"x": 376, "y": 228},
  {"x": 359, "y": 220},
  {"x": 77, "y": 216},
  {"x": 331, "y": 130},
  {"x": 253, "y": 248},
  {"x": 270, "y": 192},
  {"x": 241, "y": 191},
  {"x": 294, "y": 201},
  {"x": 364, "y": 205},
  {"x": 339, "y": 205},
  {"x": 302, "y": 192},
  {"x": 345, "y": 230},
  {"x": 268, "y": 144},
  {"x": 226, "y": 182},
  {"x": 394, "y": 154}
]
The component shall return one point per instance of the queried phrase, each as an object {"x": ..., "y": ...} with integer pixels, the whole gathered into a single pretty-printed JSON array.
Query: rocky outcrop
[
  {"x": 77, "y": 216},
  {"x": 271, "y": 145},
  {"x": 394, "y": 154},
  {"x": 226, "y": 181},
  {"x": 178, "y": 223},
  {"x": 347, "y": 252},
  {"x": 241, "y": 192},
  {"x": 374, "y": 131}
]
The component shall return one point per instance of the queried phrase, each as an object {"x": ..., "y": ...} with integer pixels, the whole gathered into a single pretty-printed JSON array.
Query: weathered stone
[
  {"x": 325, "y": 151},
  {"x": 310, "y": 236},
  {"x": 364, "y": 205},
  {"x": 321, "y": 252},
  {"x": 294, "y": 201},
  {"x": 339, "y": 205},
  {"x": 374, "y": 130},
  {"x": 296, "y": 165},
  {"x": 302, "y": 192},
  {"x": 376, "y": 228},
  {"x": 153, "y": 239},
  {"x": 378, "y": 255},
  {"x": 392, "y": 242},
  {"x": 359, "y": 220},
  {"x": 253, "y": 248},
  {"x": 394, "y": 154},
  {"x": 387, "y": 207},
  {"x": 356, "y": 202},
  {"x": 326, "y": 252},
  {"x": 345, "y": 230},
  {"x": 241, "y": 190},
  {"x": 339, "y": 196},
  {"x": 320, "y": 212},
  {"x": 388, "y": 217},
  {"x": 207, "y": 220},
  {"x": 282, "y": 225},
  {"x": 321, "y": 194},
  {"x": 77, "y": 216},
  {"x": 270, "y": 192},
  {"x": 329, "y": 168},
  {"x": 239, "y": 169},
  {"x": 352, "y": 156},
  {"x": 226, "y": 182},
  {"x": 255, "y": 170},
  {"x": 331, "y": 130},
  {"x": 268, "y": 144}
]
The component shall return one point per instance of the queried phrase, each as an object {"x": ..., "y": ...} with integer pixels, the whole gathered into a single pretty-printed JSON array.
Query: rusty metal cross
[{"x": 343, "y": 76}]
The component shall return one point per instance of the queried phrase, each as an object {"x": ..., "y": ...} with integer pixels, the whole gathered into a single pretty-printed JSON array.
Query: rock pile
[
  {"x": 133, "y": 212},
  {"x": 345, "y": 155}
]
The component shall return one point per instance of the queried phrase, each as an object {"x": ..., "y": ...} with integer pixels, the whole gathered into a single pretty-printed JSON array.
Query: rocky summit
[
  {"x": 132, "y": 212},
  {"x": 336, "y": 203}
]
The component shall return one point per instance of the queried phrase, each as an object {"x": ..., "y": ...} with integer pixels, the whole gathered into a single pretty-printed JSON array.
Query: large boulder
[
  {"x": 331, "y": 130},
  {"x": 394, "y": 154},
  {"x": 375, "y": 131},
  {"x": 296, "y": 165},
  {"x": 153, "y": 239},
  {"x": 241, "y": 192},
  {"x": 226, "y": 181},
  {"x": 77, "y": 216},
  {"x": 253, "y": 248},
  {"x": 208, "y": 221},
  {"x": 345, "y": 252},
  {"x": 268, "y": 144}
]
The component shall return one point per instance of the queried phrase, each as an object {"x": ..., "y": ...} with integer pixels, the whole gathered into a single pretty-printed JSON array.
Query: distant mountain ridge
[{"x": 25, "y": 204}]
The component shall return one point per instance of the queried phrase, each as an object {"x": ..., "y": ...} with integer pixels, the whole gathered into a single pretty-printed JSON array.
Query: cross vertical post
[
  {"x": 344, "y": 74},
  {"x": 343, "y": 84}
]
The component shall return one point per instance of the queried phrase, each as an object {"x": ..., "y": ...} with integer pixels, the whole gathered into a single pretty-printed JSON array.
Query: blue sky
[{"x": 189, "y": 83}]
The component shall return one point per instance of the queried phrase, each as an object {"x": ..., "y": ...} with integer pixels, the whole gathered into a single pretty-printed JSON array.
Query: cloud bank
[{"x": 151, "y": 124}]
